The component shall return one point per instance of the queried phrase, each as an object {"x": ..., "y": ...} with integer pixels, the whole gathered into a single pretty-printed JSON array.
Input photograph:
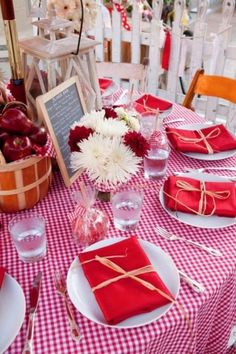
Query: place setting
[
  {"x": 202, "y": 141},
  {"x": 113, "y": 302},
  {"x": 27, "y": 233},
  {"x": 12, "y": 307},
  {"x": 199, "y": 199}
]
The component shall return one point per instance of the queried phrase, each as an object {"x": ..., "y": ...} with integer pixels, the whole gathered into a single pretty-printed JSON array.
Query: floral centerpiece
[
  {"x": 108, "y": 146},
  {"x": 71, "y": 10}
]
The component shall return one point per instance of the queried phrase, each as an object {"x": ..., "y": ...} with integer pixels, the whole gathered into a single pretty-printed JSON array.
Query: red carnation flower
[
  {"x": 77, "y": 135},
  {"x": 137, "y": 143},
  {"x": 109, "y": 112}
]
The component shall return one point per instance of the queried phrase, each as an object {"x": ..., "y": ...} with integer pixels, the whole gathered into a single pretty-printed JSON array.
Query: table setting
[{"x": 149, "y": 270}]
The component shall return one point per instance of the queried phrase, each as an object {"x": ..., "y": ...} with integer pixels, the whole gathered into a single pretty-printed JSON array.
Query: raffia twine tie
[
  {"x": 133, "y": 274},
  {"x": 149, "y": 109},
  {"x": 203, "y": 138},
  {"x": 204, "y": 193}
]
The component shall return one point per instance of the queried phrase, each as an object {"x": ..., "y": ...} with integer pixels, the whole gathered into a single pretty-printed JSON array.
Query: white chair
[{"x": 124, "y": 74}]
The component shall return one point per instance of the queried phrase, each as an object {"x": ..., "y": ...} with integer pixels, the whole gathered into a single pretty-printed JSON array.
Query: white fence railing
[{"x": 199, "y": 51}]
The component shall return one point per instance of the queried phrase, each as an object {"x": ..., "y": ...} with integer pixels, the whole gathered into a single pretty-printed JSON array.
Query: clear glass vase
[{"x": 155, "y": 162}]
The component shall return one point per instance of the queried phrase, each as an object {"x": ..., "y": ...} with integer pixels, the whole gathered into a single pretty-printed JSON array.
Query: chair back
[
  {"x": 216, "y": 88},
  {"x": 124, "y": 74}
]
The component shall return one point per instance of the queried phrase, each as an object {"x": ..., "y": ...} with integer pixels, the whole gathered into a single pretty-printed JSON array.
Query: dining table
[{"x": 211, "y": 314}]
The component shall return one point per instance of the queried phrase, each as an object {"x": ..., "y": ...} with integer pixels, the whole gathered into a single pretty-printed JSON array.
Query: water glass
[
  {"x": 155, "y": 162},
  {"x": 28, "y": 235},
  {"x": 147, "y": 124},
  {"x": 108, "y": 100},
  {"x": 126, "y": 208}
]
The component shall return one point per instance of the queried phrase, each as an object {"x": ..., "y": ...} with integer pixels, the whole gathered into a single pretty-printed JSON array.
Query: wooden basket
[{"x": 24, "y": 183}]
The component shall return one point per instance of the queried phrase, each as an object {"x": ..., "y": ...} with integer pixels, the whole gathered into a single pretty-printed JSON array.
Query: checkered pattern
[{"x": 211, "y": 313}]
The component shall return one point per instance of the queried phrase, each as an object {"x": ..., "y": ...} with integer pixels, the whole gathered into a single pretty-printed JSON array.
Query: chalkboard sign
[{"x": 60, "y": 108}]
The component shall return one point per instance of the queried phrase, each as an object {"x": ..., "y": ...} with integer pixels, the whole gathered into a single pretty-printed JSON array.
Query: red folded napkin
[
  {"x": 104, "y": 83},
  {"x": 149, "y": 103},
  {"x": 202, "y": 198},
  {"x": 125, "y": 297},
  {"x": 2, "y": 274},
  {"x": 206, "y": 141}
]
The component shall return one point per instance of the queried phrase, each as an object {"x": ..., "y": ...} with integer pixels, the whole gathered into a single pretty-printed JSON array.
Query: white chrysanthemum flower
[
  {"x": 107, "y": 161},
  {"x": 134, "y": 123},
  {"x": 111, "y": 128},
  {"x": 121, "y": 113},
  {"x": 130, "y": 119},
  {"x": 96, "y": 121},
  {"x": 90, "y": 120},
  {"x": 71, "y": 10},
  {"x": 64, "y": 8}
]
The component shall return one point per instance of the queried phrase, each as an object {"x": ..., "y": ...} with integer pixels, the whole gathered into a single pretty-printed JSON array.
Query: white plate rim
[
  {"x": 19, "y": 316},
  {"x": 124, "y": 324},
  {"x": 205, "y": 157},
  {"x": 196, "y": 218}
]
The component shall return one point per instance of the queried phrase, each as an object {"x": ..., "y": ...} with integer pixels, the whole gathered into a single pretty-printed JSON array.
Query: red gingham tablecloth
[{"x": 211, "y": 313}]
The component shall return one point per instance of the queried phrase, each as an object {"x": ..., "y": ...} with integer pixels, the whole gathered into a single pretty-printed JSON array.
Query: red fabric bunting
[
  {"x": 166, "y": 51},
  {"x": 124, "y": 18}
]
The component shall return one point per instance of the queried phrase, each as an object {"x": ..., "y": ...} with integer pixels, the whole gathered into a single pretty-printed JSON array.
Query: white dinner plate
[
  {"x": 207, "y": 157},
  {"x": 83, "y": 299},
  {"x": 12, "y": 311},
  {"x": 208, "y": 222}
]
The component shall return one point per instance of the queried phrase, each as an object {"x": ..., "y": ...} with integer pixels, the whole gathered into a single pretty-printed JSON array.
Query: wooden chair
[
  {"x": 124, "y": 74},
  {"x": 210, "y": 85},
  {"x": 219, "y": 105}
]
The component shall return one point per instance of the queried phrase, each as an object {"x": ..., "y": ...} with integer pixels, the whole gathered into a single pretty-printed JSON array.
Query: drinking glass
[
  {"x": 108, "y": 100},
  {"x": 155, "y": 162},
  {"x": 147, "y": 123},
  {"x": 28, "y": 235},
  {"x": 126, "y": 208}
]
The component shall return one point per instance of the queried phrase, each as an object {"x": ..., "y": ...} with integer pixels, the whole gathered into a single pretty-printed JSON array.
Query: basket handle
[
  {"x": 17, "y": 103},
  {"x": 3, "y": 94},
  {"x": 2, "y": 159}
]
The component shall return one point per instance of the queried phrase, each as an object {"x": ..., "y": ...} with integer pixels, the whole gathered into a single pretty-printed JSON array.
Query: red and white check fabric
[{"x": 211, "y": 313}]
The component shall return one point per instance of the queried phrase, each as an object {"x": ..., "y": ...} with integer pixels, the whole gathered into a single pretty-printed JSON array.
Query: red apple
[
  {"x": 16, "y": 147},
  {"x": 15, "y": 121},
  {"x": 39, "y": 137}
]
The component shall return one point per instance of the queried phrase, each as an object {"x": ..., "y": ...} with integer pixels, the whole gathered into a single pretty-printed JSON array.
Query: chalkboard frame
[{"x": 41, "y": 102}]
